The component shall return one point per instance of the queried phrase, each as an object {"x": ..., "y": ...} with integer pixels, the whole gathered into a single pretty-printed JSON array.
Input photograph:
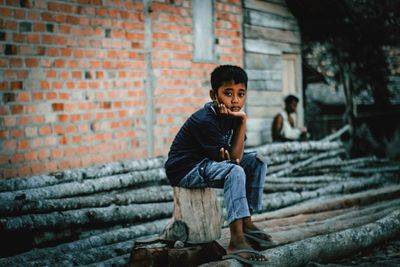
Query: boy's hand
[
  {"x": 225, "y": 155},
  {"x": 223, "y": 110}
]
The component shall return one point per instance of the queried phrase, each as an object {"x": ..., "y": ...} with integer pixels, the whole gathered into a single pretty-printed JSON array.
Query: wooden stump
[
  {"x": 167, "y": 256},
  {"x": 196, "y": 221},
  {"x": 199, "y": 210}
]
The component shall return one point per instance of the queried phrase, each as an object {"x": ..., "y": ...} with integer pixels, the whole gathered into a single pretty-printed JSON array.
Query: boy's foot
[
  {"x": 244, "y": 253},
  {"x": 258, "y": 238},
  {"x": 249, "y": 229}
]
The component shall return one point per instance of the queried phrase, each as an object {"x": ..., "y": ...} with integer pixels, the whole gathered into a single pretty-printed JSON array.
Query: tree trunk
[
  {"x": 143, "y": 195},
  {"x": 295, "y": 187},
  {"x": 123, "y": 214},
  {"x": 327, "y": 247},
  {"x": 306, "y": 162},
  {"x": 108, "y": 169},
  {"x": 285, "y": 147},
  {"x": 337, "y": 134},
  {"x": 69, "y": 249},
  {"x": 88, "y": 186},
  {"x": 199, "y": 209},
  {"x": 335, "y": 202},
  {"x": 306, "y": 179}
]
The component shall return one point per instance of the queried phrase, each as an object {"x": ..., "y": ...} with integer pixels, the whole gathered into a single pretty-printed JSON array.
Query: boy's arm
[
  {"x": 238, "y": 139},
  {"x": 237, "y": 148}
]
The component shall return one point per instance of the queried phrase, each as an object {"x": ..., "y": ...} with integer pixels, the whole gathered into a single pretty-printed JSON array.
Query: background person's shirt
[
  {"x": 288, "y": 131},
  {"x": 201, "y": 136}
]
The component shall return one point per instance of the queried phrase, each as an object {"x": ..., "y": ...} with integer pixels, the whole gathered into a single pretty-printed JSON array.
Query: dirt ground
[{"x": 385, "y": 255}]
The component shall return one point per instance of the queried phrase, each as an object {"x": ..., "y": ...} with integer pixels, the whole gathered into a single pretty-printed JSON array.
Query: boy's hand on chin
[{"x": 223, "y": 110}]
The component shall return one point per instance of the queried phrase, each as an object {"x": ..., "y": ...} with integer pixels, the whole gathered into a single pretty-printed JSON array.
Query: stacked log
[{"x": 92, "y": 216}]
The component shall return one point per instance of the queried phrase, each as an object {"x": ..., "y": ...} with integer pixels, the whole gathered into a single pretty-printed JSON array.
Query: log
[
  {"x": 325, "y": 248},
  {"x": 280, "y": 200},
  {"x": 274, "y": 159},
  {"x": 366, "y": 171},
  {"x": 143, "y": 195},
  {"x": 88, "y": 186},
  {"x": 14, "y": 184},
  {"x": 104, "y": 215},
  {"x": 166, "y": 256},
  {"x": 306, "y": 162},
  {"x": 199, "y": 209},
  {"x": 338, "y": 162},
  {"x": 297, "y": 147},
  {"x": 120, "y": 261},
  {"x": 332, "y": 203},
  {"x": 290, "y": 229},
  {"x": 277, "y": 168},
  {"x": 90, "y": 256},
  {"x": 306, "y": 179},
  {"x": 283, "y": 235},
  {"x": 294, "y": 187},
  {"x": 336, "y": 134},
  {"x": 104, "y": 239}
]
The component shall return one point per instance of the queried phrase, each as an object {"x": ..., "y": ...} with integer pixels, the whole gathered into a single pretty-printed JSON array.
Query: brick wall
[{"x": 83, "y": 82}]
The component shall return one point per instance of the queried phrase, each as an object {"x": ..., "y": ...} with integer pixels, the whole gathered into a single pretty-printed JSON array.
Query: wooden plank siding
[{"x": 271, "y": 37}]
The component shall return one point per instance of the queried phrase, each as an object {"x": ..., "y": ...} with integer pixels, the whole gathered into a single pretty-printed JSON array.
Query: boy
[{"x": 208, "y": 152}]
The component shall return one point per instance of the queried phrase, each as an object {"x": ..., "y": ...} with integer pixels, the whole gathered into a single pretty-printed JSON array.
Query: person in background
[{"x": 283, "y": 125}]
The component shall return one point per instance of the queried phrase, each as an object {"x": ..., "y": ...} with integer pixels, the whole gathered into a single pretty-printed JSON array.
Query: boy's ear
[{"x": 212, "y": 95}]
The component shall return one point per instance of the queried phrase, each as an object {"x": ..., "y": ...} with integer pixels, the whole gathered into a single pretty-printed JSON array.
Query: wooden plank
[
  {"x": 258, "y": 124},
  {"x": 264, "y": 98},
  {"x": 262, "y": 61},
  {"x": 269, "y": 47},
  {"x": 262, "y": 111},
  {"x": 279, "y": 35},
  {"x": 278, "y": 8},
  {"x": 264, "y": 74},
  {"x": 270, "y": 20},
  {"x": 265, "y": 85},
  {"x": 255, "y": 138}
]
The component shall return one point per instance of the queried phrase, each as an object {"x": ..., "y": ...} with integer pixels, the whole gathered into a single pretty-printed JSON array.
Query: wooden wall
[{"x": 272, "y": 60}]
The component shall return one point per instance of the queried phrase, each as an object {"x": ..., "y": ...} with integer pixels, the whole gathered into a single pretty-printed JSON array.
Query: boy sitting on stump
[{"x": 208, "y": 152}]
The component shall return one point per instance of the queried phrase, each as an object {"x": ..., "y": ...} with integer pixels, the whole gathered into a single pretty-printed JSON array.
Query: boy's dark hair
[
  {"x": 226, "y": 73},
  {"x": 291, "y": 98}
]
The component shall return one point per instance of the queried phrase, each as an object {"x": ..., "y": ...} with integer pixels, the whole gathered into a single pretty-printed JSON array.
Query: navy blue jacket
[{"x": 201, "y": 136}]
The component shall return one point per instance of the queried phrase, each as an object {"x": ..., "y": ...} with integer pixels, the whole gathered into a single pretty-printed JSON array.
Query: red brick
[
  {"x": 24, "y": 171},
  {"x": 24, "y": 97},
  {"x": 16, "y": 85},
  {"x": 37, "y": 96},
  {"x": 17, "y": 133},
  {"x": 16, "y": 158},
  {"x": 56, "y": 153},
  {"x": 12, "y": 172},
  {"x": 31, "y": 62},
  {"x": 45, "y": 130},
  {"x": 31, "y": 156},
  {"x": 57, "y": 107},
  {"x": 38, "y": 119},
  {"x": 38, "y": 167},
  {"x": 43, "y": 154}
]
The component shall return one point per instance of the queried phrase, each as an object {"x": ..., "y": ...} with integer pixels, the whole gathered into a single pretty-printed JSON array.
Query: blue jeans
[{"x": 243, "y": 184}]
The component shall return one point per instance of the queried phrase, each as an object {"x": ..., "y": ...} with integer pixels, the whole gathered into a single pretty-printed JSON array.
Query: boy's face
[{"x": 232, "y": 95}]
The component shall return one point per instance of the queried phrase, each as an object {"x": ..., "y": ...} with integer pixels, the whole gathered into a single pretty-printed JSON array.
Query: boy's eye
[
  {"x": 228, "y": 93},
  {"x": 242, "y": 94}
]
